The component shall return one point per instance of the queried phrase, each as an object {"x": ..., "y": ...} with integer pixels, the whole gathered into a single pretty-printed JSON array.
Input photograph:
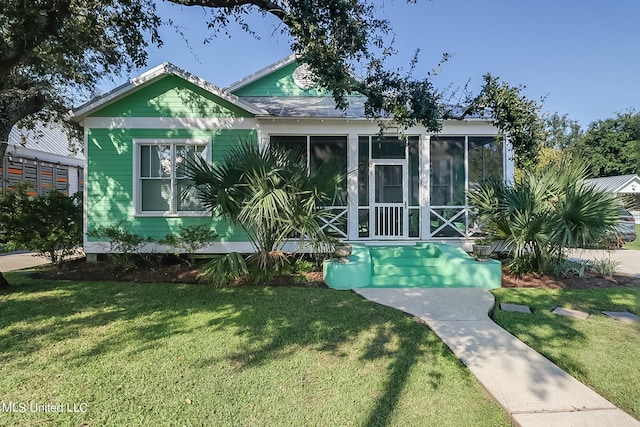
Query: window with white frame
[{"x": 161, "y": 182}]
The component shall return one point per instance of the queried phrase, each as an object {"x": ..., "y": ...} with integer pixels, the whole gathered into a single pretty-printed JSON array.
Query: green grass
[
  {"x": 166, "y": 354},
  {"x": 599, "y": 351},
  {"x": 636, "y": 243}
]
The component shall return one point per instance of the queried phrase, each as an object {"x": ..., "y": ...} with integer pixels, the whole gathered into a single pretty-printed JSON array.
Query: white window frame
[{"x": 137, "y": 179}]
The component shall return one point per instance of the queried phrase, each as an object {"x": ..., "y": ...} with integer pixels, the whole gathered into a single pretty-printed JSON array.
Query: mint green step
[
  {"x": 431, "y": 265},
  {"x": 419, "y": 280},
  {"x": 403, "y": 270},
  {"x": 392, "y": 252},
  {"x": 410, "y": 262}
]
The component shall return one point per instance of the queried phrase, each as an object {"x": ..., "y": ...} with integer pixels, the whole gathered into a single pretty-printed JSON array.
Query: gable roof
[
  {"x": 616, "y": 184},
  {"x": 153, "y": 75},
  {"x": 245, "y": 81}
]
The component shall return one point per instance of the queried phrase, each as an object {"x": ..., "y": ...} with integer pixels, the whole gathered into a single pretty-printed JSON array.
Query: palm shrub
[
  {"x": 544, "y": 213},
  {"x": 272, "y": 196}
]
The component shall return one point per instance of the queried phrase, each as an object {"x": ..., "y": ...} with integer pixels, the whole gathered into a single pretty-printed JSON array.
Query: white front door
[{"x": 388, "y": 197}]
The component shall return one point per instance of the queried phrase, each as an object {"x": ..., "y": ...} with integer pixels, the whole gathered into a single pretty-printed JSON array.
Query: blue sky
[{"x": 583, "y": 55}]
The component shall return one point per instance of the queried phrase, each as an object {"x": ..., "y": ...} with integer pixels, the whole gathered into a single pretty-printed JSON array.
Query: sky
[{"x": 582, "y": 56}]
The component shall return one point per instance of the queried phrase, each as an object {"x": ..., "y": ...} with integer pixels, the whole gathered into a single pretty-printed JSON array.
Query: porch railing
[{"x": 389, "y": 220}]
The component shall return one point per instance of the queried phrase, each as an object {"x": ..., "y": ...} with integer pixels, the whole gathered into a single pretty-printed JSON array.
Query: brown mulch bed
[
  {"x": 175, "y": 271},
  {"x": 588, "y": 281},
  {"x": 171, "y": 271}
]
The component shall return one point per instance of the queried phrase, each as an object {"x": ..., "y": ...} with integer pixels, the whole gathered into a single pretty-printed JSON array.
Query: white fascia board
[
  {"x": 260, "y": 74},
  {"x": 28, "y": 153},
  {"x": 165, "y": 68},
  {"x": 205, "y": 123}
]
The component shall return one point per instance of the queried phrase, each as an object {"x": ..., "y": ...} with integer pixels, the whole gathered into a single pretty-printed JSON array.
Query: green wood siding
[
  {"x": 110, "y": 179},
  {"x": 278, "y": 83},
  {"x": 171, "y": 96}
]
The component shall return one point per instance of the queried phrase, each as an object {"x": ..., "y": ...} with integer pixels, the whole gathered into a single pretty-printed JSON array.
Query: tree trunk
[
  {"x": 15, "y": 105},
  {"x": 3, "y": 282},
  {"x": 4, "y": 137}
]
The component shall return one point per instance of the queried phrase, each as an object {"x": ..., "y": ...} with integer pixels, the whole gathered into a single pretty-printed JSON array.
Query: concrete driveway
[
  {"x": 629, "y": 259},
  {"x": 19, "y": 260}
]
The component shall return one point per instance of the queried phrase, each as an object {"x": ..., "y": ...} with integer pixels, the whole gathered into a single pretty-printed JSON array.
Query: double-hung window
[{"x": 161, "y": 182}]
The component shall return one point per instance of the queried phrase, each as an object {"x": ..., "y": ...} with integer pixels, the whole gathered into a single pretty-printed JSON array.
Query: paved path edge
[{"x": 532, "y": 390}]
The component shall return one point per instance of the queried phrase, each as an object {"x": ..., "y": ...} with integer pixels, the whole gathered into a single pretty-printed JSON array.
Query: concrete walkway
[{"x": 531, "y": 389}]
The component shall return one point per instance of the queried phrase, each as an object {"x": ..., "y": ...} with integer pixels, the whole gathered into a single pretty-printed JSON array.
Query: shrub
[
  {"x": 189, "y": 239},
  {"x": 543, "y": 214},
  {"x": 123, "y": 244},
  {"x": 51, "y": 224},
  {"x": 224, "y": 268}
]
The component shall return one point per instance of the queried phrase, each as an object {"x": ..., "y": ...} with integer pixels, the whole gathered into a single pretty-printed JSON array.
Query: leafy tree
[
  {"x": 52, "y": 50},
  {"x": 339, "y": 38},
  {"x": 514, "y": 114},
  {"x": 543, "y": 213},
  {"x": 562, "y": 132},
  {"x": 611, "y": 146}
]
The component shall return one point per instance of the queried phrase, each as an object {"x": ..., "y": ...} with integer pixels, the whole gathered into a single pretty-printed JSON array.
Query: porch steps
[
  {"x": 424, "y": 265},
  {"x": 427, "y": 265},
  {"x": 408, "y": 266}
]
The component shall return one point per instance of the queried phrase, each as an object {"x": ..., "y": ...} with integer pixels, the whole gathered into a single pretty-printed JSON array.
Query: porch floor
[{"x": 425, "y": 265}]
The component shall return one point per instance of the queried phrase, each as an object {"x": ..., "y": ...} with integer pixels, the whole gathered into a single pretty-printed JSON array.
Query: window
[
  {"x": 485, "y": 159},
  {"x": 447, "y": 171},
  {"x": 162, "y": 186},
  {"x": 317, "y": 150}
]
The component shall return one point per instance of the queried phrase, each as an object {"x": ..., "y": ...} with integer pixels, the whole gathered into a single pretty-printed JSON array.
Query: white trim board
[{"x": 170, "y": 123}]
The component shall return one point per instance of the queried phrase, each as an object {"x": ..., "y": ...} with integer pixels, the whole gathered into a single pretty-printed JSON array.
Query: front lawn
[
  {"x": 599, "y": 351},
  {"x": 169, "y": 354}
]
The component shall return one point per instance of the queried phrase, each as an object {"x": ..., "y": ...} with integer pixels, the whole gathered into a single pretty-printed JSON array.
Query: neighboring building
[
  {"x": 626, "y": 187},
  {"x": 44, "y": 158},
  {"x": 398, "y": 190}
]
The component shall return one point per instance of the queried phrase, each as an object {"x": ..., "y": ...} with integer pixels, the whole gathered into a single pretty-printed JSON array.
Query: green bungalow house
[{"x": 410, "y": 190}]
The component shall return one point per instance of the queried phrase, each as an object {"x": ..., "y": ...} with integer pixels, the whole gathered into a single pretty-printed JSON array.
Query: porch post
[
  {"x": 425, "y": 217},
  {"x": 508, "y": 161},
  {"x": 352, "y": 186}
]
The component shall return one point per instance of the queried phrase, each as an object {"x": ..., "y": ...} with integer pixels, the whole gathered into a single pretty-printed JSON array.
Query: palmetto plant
[
  {"x": 544, "y": 213},
  {"x": 271, "y": 194}
]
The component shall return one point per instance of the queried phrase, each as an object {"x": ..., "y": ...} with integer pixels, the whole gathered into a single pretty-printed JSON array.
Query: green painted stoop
[{"x": 425, "y": 265}]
